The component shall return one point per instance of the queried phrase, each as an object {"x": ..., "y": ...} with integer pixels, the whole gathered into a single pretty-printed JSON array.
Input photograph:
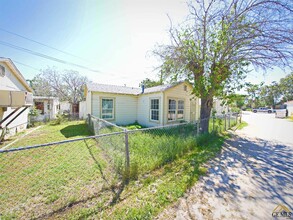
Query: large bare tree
[
  {"x": 67, "y": 85},
  {"x": 221, "y": 39}
]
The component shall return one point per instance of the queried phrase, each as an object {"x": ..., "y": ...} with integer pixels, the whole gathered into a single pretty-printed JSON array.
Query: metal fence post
[
  {"x": 197, "y": 128},
  {"x": 225, "y": 122},
  {"x": 98, "y": 126},
  {"x": 229, "y": 120},
  {"x": 127, "y": 158}
]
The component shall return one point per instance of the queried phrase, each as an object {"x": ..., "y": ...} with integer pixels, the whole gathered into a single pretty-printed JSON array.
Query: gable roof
[
  {"x": 95, "y": 87},
  {"x": 16, "y": 72}
]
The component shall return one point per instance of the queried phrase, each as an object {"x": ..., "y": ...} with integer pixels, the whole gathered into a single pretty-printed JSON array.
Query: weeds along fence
[{"x": 38, "y": 181}]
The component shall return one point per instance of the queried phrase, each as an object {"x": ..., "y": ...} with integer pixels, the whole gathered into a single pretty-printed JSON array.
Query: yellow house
[{"x": 155, "y": 106}]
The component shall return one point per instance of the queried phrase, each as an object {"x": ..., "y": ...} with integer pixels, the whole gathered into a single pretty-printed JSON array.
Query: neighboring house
[
  {"x": 289, "y": 107},
  {"x": 15, "y": 98},
  {"x": 160, "y": 105},
  {"x": 48, "y": 107},
  {"x": 220, "y": 107},
  {"x": 65, "y": 106}
]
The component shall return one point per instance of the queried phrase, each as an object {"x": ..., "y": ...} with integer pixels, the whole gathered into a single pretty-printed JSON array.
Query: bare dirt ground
[{"x": 253, "y": 174}]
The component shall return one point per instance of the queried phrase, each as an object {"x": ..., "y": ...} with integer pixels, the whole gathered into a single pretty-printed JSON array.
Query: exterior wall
[
  {"x": 19, "y": 124},
  {"x": 125, "y": 107},
  {"x": 89, "y": 103},
  {"x": 178, "y": 92},
  {"x": 143, "y": 109},
  {"x": 290, "y": 107},
  {"x": 49, "y": 113},
  {"x": 9, "y": 81},
  {"x": 218, "y": 107},
  {"x": 82, "y": 109},
  {"x": 65, "y": 106}
]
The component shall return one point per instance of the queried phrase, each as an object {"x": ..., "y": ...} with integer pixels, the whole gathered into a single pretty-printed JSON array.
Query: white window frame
[
  {"x": 113, "y": 109},
  {"x": 176, "y": 109},
  {"x": 157, "y": 110}
]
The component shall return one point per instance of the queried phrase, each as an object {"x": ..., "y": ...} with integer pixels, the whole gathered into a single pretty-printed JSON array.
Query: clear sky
[{"x": 114, "y": 37}]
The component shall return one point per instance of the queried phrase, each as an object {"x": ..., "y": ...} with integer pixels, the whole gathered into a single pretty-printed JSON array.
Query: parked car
[{"x": 263, "y": 109}]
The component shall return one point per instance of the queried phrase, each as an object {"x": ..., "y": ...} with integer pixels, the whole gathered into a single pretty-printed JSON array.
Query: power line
[
  {"x": 46, "y": 56},
  {"x": 14, "y": 61},
  {"x": 37, "y": 42}
]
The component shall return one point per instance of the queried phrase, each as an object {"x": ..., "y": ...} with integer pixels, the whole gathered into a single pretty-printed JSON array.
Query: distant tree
[
  {"x": 74, "y": 85},
  {"x": 41, "y": 87},
  {"x": 150, "y": 83},
  {"x": 67, "y": 86},
  {"x": 220, "y": 39},
  {"x": 253, "y": 97},
  {"x": 236, "y": 100},
  {"x": 270, "y": 94},
  {"x": 286, "y": 87}
]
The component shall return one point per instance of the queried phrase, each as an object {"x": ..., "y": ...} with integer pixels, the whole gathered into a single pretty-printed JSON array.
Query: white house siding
[
  {"x": 20, "y": 123},
  {"x": 65, "y": 106},
  {"x": 11, "y": 83},
  {"x": 143, "y": 109},
  {"x": 290, "y": 107},
  {"x": 89, "y": 102},
  {"x": 125, "y": 107},
  {"x": 82, "y": 109},
  {"x": 178, "y": 92}
]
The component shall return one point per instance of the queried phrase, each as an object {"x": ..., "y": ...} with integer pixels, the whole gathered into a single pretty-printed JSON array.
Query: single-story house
[
  {"x": 15, "y": 98},
  {"x": 289, "y": 105},
  {"x": 160, "y": 105},
  {"x": 48, "y": 107}
]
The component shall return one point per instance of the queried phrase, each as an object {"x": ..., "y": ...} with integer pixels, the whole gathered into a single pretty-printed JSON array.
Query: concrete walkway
[{"x": 247, "y": 181}]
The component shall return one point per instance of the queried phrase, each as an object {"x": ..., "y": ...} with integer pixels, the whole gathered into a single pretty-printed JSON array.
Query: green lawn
[
  {"x": 78, "y": 179},
  {"x": 51, "y": 133}
]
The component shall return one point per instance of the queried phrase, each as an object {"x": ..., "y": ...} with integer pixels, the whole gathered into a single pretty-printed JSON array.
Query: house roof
[
  {"x": 95, "y": 87},
  {"x": 16, "y": 72}
]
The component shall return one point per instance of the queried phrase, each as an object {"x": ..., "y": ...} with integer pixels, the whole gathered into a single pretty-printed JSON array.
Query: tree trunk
[{"x": 205, "y": 112}]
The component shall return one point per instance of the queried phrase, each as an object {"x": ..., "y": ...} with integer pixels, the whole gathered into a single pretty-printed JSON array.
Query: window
[
  {"x": 40, "y": 106},
  {"x": 172, "y": 110},
  {"x": 154, "y": 111},
  {"x": 175, "y": 110},
  {"x": 180, "y": 110},
  {"x": 107, "y": 108}
]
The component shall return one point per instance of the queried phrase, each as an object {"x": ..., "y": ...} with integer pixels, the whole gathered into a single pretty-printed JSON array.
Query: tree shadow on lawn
[
  {"x": 268, "y": 167},
  {"x": 111, "y": 191},
  {"x": 75, "y": 130}
]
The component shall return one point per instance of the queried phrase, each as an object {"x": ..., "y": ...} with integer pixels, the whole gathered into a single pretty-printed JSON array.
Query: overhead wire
[
  {"x": 40, "y": 43},
  {"x": 46, "y": 56}
]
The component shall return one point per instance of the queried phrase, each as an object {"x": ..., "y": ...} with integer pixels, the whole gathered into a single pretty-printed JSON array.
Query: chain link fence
[{"x": 42, "y": 180}]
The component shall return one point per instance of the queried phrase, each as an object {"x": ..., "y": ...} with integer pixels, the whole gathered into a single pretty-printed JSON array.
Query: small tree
[
  {"x": 220, "y": 39},
  {"x": 150, "y": 83}
]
